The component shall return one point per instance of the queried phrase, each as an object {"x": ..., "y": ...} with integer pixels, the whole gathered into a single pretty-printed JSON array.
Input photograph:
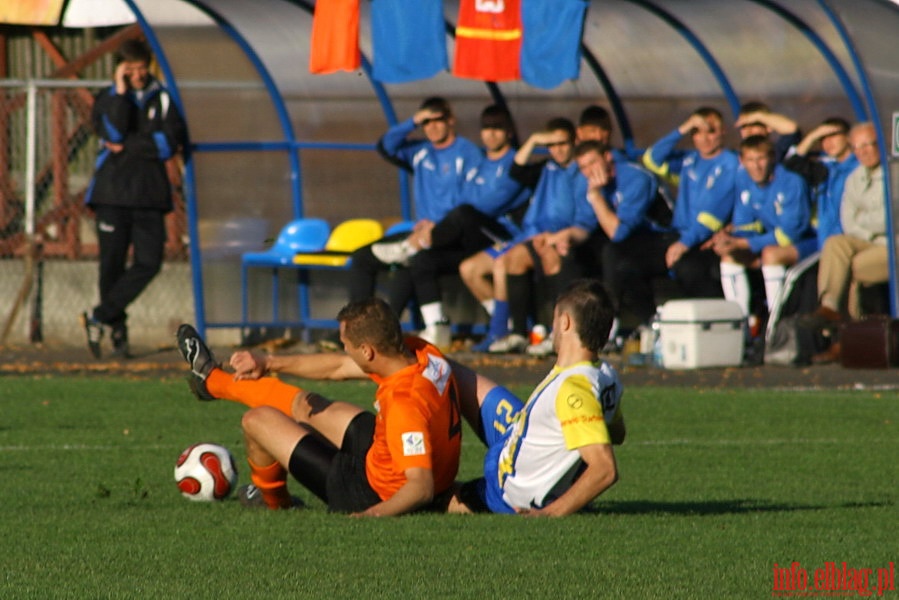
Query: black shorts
[
  {"x": 337, "y": 476},
  {"x": 347, "y": 486}
]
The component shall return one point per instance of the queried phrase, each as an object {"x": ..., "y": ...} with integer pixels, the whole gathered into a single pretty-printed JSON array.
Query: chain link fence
[{"x": 47, "y": 239}]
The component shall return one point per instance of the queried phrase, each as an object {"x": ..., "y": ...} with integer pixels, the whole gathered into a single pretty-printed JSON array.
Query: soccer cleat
[
  {"x": 544, "y": 348},
  {"x": 250, "y": 496},
  {"x": 510, "y": 344},
  {"x": 393, "y": 253},
  {"x": 94, "y": 330},
  {"x": 201, "y": 360}
]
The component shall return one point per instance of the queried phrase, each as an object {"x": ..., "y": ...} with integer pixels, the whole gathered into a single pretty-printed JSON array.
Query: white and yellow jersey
[{"x": 571, "y": 408}]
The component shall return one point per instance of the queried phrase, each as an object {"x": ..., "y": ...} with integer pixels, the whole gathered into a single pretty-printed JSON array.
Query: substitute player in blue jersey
[
  {"x": 771, "y": 227},
  {"x": 621, "y": 194},
  {"x": 825, "y": 173},
  {"x": 557, "y": 205},
  {"x": 551, "y": 455},
  {"x": 705, "y": 199},
  {"x": 491, "y": 201},
  {"x": 442, "y": 163}
]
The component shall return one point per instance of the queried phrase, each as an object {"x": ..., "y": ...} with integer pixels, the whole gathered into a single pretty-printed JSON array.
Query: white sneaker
[
  {"x": 544, "y": 348},
  {"x": 394, "y": 253},
  {"x": 510, "y": 344}
]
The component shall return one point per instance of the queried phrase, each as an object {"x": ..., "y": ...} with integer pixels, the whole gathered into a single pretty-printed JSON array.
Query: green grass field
[{"x": 716, "y": 487}]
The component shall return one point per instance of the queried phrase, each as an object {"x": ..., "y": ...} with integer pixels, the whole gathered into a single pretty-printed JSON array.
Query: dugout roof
[{"x": 272, "y": 142}]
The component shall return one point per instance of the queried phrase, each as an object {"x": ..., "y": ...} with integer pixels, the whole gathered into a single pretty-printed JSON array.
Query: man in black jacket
[{"x": 139, "y": 129}]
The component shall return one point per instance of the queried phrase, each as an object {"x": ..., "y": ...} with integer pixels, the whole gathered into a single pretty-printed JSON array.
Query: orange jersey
[
  {"x": 335, "y": 37},
  {"x": 418, "y": 423}
]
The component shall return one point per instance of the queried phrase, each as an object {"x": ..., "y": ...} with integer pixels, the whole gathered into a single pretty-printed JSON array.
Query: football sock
[
  {"x": 735, "y": 284},
  {"x": 432, "y": 313},
  {"x": 488, "y": 305},
  {"x": 499, "y": 320},
  {"x": 774, "y": 280},
  {"x": 266, "y": 391},
  {"x": 272, "y": 482},
  {"x": 520, "y": 295}
]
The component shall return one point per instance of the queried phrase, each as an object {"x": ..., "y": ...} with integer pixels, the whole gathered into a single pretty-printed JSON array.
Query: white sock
[
  {"x": 735, "y": 284},
  {"x": 774, "y": 276},
  {"x": 488, "y": 305},
  {"x": 432, "y": 313}
]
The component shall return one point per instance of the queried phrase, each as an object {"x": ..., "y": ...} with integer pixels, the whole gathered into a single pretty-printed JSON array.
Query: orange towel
[{"x": 335, "y": 36}]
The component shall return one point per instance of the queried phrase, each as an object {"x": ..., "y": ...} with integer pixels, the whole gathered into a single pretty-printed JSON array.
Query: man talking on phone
[{"x": 139, "y": 128}]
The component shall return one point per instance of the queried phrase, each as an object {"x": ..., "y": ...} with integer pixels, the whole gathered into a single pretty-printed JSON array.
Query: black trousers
[
  {"x": 464, "y": 231},
  {"x": 364, "y": 270},
  {"x": 118, "y": 230},
  {"x": 461, "y": 233},
  {"x": 629, "y": 266}
]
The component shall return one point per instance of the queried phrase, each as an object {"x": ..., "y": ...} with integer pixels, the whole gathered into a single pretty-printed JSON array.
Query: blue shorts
[
  {"x": 498, "y": 411},
  {"x": 498, "y": 249}
]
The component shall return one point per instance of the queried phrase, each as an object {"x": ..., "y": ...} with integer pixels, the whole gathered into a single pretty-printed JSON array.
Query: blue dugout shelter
[{"x": 271, "y": 142}]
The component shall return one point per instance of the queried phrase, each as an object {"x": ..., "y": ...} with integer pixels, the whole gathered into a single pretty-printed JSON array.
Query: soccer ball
[{"x": 206, "y": 472}]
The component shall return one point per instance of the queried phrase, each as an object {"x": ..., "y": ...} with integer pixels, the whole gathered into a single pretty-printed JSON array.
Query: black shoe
[
  {"x": 94, "y": 330},
  {"x": 119, "y": 337},
  {"x": 194, "y": 350}
]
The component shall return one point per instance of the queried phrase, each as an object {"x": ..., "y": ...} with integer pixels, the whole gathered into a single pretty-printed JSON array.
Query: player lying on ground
[
  {"x": 551, "y": 455},
  {"x": 357, "y": 462}
]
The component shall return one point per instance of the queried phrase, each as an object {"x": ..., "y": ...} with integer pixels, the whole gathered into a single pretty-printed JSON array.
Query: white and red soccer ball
[{"x": 206, "y": 472}]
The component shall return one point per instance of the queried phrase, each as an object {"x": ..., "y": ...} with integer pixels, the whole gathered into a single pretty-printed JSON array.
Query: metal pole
[{"x": 30, "y": 158}]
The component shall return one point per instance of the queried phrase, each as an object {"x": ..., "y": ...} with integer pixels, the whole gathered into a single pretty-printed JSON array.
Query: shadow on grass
[
  {"x": 717, "y": 507},
  {"x": 155, "y": 352}
]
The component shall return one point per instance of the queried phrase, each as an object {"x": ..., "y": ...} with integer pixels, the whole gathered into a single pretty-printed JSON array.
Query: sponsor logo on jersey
[
  {"x": 437, "y": 372},
  {"x": 413, "y": 443}
]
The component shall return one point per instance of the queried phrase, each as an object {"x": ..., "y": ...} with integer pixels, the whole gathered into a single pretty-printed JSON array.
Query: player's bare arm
[
  {"x": 601, "y": 473},
  {"x": 327, "y": 365},
  {"x": 418, "y": 491}
]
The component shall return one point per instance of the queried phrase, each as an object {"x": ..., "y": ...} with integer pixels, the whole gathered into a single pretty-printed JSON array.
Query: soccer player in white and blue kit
[{"x": 551, "y": 455}]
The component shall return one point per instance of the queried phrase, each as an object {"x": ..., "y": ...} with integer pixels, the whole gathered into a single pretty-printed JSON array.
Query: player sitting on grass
[
  {"x": 551, "y": 455},
  {"x": 357, "y": 462}
]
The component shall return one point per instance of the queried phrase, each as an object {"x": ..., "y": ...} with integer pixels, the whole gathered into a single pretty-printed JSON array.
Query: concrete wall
[{"x": 69, "y": 288}]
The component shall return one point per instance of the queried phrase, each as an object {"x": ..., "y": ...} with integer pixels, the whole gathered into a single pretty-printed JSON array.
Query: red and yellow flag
[{"x": 488, "y": 40}]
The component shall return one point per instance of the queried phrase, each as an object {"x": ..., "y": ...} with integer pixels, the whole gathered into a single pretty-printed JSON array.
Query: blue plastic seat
[
  {"x": 302, "y": 235},
  {"x": 400, "y": 227}
]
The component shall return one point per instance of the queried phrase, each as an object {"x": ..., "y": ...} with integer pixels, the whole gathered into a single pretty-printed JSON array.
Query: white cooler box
[{"x": 705, "y": 332}]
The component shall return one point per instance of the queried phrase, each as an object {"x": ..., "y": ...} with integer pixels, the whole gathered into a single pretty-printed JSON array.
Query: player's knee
[
  {"x": 471, "y": 269},
  {"x": 256, "y": 420},
  {"x": 466, "y": 269}
]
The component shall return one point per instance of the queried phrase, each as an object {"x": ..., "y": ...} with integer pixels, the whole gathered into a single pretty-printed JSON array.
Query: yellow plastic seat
[{"x": 345, "y": 239}]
